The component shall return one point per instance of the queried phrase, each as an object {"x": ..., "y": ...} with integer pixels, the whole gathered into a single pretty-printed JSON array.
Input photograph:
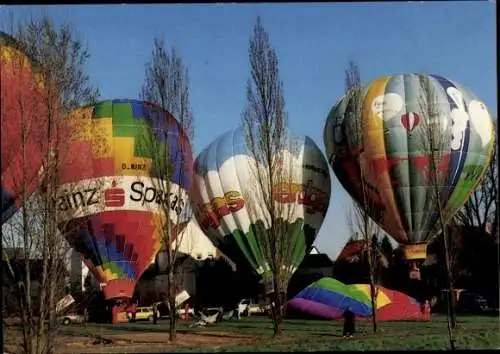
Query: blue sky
[{"x": 314, "y": 43}]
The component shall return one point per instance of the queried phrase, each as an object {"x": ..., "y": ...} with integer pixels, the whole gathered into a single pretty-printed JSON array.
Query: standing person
[
  {"x": 349, "y": 327},
  {"x": 155, "y": 313},
  {"x": 186, "y": 311},
  {"x": 133, "y": 310},
  {"x": 114, "y": 313},
  {"x": 85, "y": 315},
  {"x": 427, "y": 311}
]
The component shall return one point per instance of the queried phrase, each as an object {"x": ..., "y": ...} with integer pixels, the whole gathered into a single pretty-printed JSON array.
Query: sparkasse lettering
[{"x": 144, "y": 195}]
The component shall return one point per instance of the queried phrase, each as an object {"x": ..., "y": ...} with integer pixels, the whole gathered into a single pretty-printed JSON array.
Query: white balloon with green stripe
[{"x": 233, "y": 206}]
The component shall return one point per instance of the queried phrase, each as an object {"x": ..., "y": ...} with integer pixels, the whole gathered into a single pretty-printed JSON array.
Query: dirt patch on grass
[
  {"x": 139, "y": 342},
  {"x": 183, "y": 339}
]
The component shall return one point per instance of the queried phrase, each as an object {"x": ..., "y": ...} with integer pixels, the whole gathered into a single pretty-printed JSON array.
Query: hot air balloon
[
  {"x": 328, "y": 298},
  {"x": 24, "y": 125},
  {"x": 384, "y": 130},
  {"x": 110, "y": 201},
  {"x": 393, "y": 305},
  {"x": 227, "y": 200}
]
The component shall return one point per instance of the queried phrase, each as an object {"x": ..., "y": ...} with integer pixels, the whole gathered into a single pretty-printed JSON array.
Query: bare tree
[
  {"x": 455, "y": 247},
  {"x": 482, "y": 206},
  {"x": 60, "y": 59},
  {"x": 364, "y": 207},
  {"x": 270, "y": 147},
  {"x": 434, "y": 143},
  {"x": 166, "y": 85},
  {"x": 372, "y": 246}
]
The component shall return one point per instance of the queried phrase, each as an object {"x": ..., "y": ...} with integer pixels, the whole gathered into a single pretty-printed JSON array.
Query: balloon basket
[
  {"x": 414, "y": 255},
  {"x": 414, "y": 252},
  {"x": 118, "y": 310}
]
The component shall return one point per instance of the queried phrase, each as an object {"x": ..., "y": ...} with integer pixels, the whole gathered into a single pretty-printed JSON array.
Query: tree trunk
[
  {"x": 172, "y": 334},
  {"x": 26, "y": 305},
  {"x": 43, "y": 291},
  {"x": 26, "y": 309},
  {"x": 50, "y": 343},
  {"x": 276, "y": 309},
  {"x": 449, "y": 277},
  {"x": 373, "y": 295},
  {"x": 449, "y": 304}
]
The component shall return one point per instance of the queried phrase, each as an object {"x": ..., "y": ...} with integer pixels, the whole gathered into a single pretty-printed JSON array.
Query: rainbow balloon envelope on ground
[
  {"x": 110, "y": 203},
  {"x": 329, "y": 298},
  {"x": 392, "y": 305}
]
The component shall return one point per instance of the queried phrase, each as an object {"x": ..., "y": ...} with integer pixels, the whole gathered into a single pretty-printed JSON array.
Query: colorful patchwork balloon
[
  {"x": 112, "y": 197},
  {"x": 24, "y": 122}
]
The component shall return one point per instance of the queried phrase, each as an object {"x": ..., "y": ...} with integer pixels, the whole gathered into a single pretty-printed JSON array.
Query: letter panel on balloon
[{"x": 111, "y": 198}]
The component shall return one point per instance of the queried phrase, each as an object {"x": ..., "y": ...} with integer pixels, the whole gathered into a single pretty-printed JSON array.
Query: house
[
  {"x": 316, "y": 263},
  {"x": 352, "y": 251},
  {"x": 14, "y": 274},
  {"x": 315, "y": 266},
  {"x": 154, "y": 281}
]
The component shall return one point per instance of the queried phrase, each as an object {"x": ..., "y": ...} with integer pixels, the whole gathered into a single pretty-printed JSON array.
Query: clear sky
[{"x": 314, "y": 43}]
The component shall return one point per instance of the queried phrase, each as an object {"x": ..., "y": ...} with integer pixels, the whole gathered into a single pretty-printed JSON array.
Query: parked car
[
  {"x": 143, "y": 313},
  {"x": 248, "y": 307},
  {"x": 72, "y": 318},
  {"x": 260, "y": 309},
  {"x": 472, "y": 303},
  {"x": 210, "y": 311}
]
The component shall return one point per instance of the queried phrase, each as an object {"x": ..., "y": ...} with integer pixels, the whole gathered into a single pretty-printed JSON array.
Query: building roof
[
  {"x": 320, "y": 260},
  {"x": 314, "y": 250},
  {"x": 351, "y": 250}
]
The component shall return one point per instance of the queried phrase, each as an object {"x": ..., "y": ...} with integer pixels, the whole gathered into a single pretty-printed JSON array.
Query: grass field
[{"x": 255, "y": 334}]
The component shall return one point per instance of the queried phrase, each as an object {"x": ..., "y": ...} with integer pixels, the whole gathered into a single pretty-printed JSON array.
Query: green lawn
[{"x": 472, "y": 332}]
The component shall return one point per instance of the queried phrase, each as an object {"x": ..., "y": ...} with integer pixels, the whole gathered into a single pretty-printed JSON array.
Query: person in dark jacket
[
  {"x": 349, "y": 327},
  {"x": 155, "y": 313}
]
